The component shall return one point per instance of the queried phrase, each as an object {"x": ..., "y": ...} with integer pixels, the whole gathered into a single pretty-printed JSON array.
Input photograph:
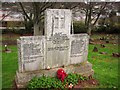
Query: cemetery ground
[{"x": 105, "y": 65}]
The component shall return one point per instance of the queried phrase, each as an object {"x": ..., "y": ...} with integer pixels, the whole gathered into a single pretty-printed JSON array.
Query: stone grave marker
[
  {"x": 31, "y": 52},
  {"x": 57, "y": 31},
  {"x": 79, "y": 48},
  {"x": 57, "y": 21},
  {"x": 57, "y": 49}
]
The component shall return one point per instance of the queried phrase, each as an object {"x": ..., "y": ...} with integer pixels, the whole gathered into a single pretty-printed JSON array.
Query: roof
[{"x": 10, "y": 17}]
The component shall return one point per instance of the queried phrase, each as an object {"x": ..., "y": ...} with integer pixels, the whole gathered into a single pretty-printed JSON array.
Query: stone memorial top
[{"x": 57, "y": 22}]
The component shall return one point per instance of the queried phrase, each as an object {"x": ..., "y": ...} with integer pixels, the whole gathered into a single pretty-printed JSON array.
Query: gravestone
[
  {"x": 56, "y": 49},
  {"x": 79, "y": 48},
  {"x": 57, "y": 31},
  {"x": 31, "y": 52}
]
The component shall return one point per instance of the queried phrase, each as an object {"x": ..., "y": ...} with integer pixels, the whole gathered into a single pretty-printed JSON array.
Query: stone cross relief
[{"x": 58, "y": 21}]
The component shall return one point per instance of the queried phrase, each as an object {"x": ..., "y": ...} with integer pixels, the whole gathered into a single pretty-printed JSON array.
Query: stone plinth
[{"x": 84, "y": 68}]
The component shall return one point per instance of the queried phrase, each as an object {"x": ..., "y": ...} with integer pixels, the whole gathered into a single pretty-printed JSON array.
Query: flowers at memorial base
[
  {"x": 61, "y": 74},
  {"x": 6, "y": 48},
  {"x": 70, "y": 86},
  {"x": 48, "y": 67},
  {"x": 5, "y": 45}
]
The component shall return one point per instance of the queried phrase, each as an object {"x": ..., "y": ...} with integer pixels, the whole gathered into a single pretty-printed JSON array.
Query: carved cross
[{"x": 59, "y": 20}]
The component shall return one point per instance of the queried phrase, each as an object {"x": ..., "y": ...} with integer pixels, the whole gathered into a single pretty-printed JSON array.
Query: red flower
[{"x": 61, "y": 74}]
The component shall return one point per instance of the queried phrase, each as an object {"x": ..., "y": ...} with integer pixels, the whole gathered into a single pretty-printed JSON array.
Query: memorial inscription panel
[
  {"x": 32, "y": 53},
  {"x": 58, "y": 51},
  {"x": 79, "y": 46},
  {"x": 57, "y": 30}
]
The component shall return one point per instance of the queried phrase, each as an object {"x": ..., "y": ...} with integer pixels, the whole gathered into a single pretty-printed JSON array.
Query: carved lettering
[
  {"x": 62, "y": 48},
  {"x": 31, "y": 49},
  {"x": 58, "y": 38},
  {"x": 77, "y": 46}
]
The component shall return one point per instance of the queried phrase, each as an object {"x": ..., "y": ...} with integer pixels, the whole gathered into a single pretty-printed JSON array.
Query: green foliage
[
  {"x": 80, "y": 77},
  {"x": 45, "y": 82},
  {"x": 17, "y": 31},
  {"x": 110, "y": 28},
  {"x": 100, "y": 29},
  {"x": 113, "y": 28},
  {"x": 73, "y": 78},
  {"x": 9, "y": 66},
  {"x": 79, "y": 27},
  {"x": 104, "y": 66},
  {"x": 53, "y": 82}
]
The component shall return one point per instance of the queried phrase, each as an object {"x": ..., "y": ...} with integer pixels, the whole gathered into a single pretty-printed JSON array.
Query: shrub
[
  {"x": 79, "y": 27},
  {"x": 45, "y": 82},
  {"x": 53, "y": 82},
  {"x": 71, "y": 78},
  {"x": 110, "y": 28},
  {"x": 115, "y": 28},
  {"x": 101, "y": 28},
  {"x": 17, "y": 31}
]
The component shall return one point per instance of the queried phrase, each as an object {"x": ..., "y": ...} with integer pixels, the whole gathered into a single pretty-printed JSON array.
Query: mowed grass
[
  {"x": 105, "y": 66},
  {"x": 9, "y": 67}
]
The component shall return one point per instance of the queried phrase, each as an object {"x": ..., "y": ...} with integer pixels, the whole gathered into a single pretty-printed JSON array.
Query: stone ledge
[{"x": 22, "y": 79}]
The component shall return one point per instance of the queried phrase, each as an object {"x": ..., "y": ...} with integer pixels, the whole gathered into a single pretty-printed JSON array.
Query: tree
[
  {"x": 93, "y": 11},
  {"x": 34, "y": 14},
  {"x": 37, "y": 9}
]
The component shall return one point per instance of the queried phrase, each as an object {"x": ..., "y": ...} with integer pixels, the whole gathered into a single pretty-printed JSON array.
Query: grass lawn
[
  {"x": 104, "y": 66},
  {"x": 9, "y": 67}
]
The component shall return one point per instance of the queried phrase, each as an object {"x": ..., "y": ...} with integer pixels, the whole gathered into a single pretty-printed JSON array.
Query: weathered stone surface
[
  {"x": 79, "y": 48},
  {"x": 58, "y": 54},
  {"x": 57, "y": 21},
  {"x": 82, "y": 68},
  {"x": 40, "y": 55},
  {"x": 57, "y": 31},
  {"x": 31, "y": 53}
]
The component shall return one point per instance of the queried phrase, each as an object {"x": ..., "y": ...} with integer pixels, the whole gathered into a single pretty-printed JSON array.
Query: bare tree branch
[
  {"x": 102, "y": 8},
  {"x": 24, "y": 11},
  {"x": 75, "y": 6},
  {"x": 6, "y": 16}
]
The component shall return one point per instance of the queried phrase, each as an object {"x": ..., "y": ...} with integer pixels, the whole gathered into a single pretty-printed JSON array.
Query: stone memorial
[
  {"x": 79, "y": 48},
  {"x": 57, "y": 49},
  {"x": 31, "y": 52},
  {"x": 57, "y": 31}
]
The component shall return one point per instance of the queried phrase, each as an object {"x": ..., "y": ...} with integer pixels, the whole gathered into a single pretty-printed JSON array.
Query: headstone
[
  {"x": 102, "y": 45},
  {"x": 79, "y": 48},
  {"x": 95, "y": 49},
  {"x": 107, "y": 41},
  {"x": 31, "y": 51},
  {"x": 116, "y": 54},
  {"x": 44, "y": 55},
  {"x": 57, "y": 31},
  {"x": 103, "y": 52}
]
